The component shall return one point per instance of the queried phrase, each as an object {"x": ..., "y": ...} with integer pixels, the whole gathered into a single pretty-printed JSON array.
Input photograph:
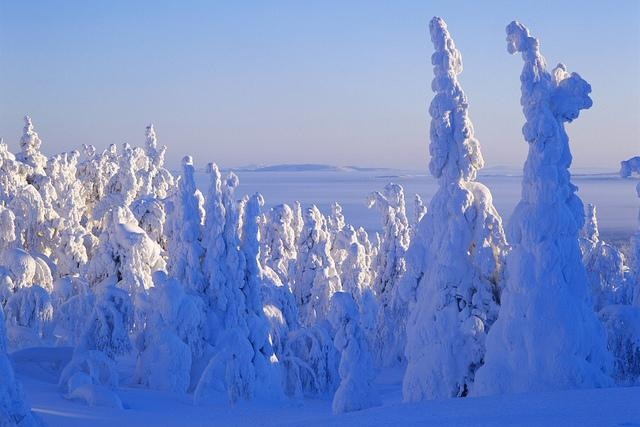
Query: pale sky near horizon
[{"x": 344, "y": 83}]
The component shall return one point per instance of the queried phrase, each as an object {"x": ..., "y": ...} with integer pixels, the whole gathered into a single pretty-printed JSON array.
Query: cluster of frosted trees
[{"x": 213, "y": 294}]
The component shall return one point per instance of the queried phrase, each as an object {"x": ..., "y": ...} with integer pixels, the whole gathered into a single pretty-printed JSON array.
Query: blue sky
[{"x": 323, "y": 82}]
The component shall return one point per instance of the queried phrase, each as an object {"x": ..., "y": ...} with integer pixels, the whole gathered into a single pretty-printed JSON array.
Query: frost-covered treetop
[
  {"x": 548, "y": 100},
  {"x": 30, "y": 149},
  {"x": 455, "y": 152},
  {"x": 30, "y": 140},
  {"x": 188, "y": 171},
  {"x": 151, "y": 139},
  {"x": 154, "y": 151}
]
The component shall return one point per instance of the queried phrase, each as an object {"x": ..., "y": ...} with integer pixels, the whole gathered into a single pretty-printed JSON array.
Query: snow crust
[{"x": 14, "y": 408}]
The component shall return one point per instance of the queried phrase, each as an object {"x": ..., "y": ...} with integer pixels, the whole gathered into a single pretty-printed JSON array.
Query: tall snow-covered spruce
[
  {"x": 455, "y": 259},
  {"x": 244, "y": 364},
  {"x": 185, "y": 248},
  {"x": 547, "y": 336}
]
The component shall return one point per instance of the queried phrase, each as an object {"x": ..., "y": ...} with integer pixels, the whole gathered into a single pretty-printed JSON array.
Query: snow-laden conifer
[
  {"x": 419, "y": 210},
  {"x": 244, "y": 365},
  {"x": 315, "y": 279},
  {"x": 455, "y": 259},
  {"x": 356, "y": 369},
  {"x": 70, "y": 252},
  {"x": 547, "y": 336},
  {"x": 172, "y": 336},
  {"x": 389, "y": 267},
  {"x": 30, "y": 153},
  {"x": 184, "y": 246},
  {"x": 278, "y": 245},
  {"x": 607, "y": 272}
]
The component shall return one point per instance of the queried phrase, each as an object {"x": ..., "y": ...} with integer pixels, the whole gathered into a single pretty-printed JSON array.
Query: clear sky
[{"x": 345, "y": 82}]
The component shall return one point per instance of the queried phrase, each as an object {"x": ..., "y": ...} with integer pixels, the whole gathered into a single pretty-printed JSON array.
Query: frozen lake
[{"x": 614, "y": 197}]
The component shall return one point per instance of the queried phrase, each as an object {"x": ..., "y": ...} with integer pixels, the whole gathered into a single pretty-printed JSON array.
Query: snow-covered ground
[{"x": 38, "y": 370}]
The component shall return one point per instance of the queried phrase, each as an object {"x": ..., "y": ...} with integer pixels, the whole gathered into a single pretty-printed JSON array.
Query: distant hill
[{"x": 304, "y": 167}]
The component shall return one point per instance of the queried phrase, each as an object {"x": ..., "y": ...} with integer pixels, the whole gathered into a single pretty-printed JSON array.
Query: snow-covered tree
[
  {"x": 13, "y": 174},
  {"x": 25, "y": 286},
  {"x": 30, "y": 151},
  {"x": 622, "y": 323},
  {"x": 122, "y": 187},
  {"x": 335, "y": 221},
  {"x": 356, "y": 364},
  {"x": 95, "y": 172},
  {"x": 298, "y": 220},
  {"x": 356, "y": 271},
  {"x": 89, "y": 177},
  {"x": 29, "y": 315},
  {"x": 33, "y": 229},
  {"x": 138, "y": 256},
  {"x": 152, "y": 218},
  {"x": 222, "y": 262},
  {"x": 309, "y": 357},
  {"x": 73, "y": 301},
  {"x": 339, "y": 241},
  {"x": 547, "y": 335},
  {"x": 70, "y": 252},
  {"x": 315, "y": 277},
  {"x": 357, "y": 279},
  {"x": 7, "y": 239},
  {"x": 605, "y": 265},
  {"x": 158, "y": 180},
  {"x": 186, "y": 218},
  {"x": 91, "y": 375},
  {"x": 310, "y": 361},
  {"x": 278, "y": 245},
  {"x": 370, "y": 250},
  {"x": 126, "y": 253},
  {"x": 171, "y": 338},
  {"x": 107, "y": 328},
  {"x": 254, "y": 280},
  {"x": 389, "y": 267},
  {"x": 244, "y": 365},
  {"x": 455, "y": 259},
  {"x": 419, "y": 210},
  {"x": 14, "y": 409}
]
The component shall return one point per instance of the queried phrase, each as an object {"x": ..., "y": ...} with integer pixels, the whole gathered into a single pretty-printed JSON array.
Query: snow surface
[{"x": 37, "y": 370}]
